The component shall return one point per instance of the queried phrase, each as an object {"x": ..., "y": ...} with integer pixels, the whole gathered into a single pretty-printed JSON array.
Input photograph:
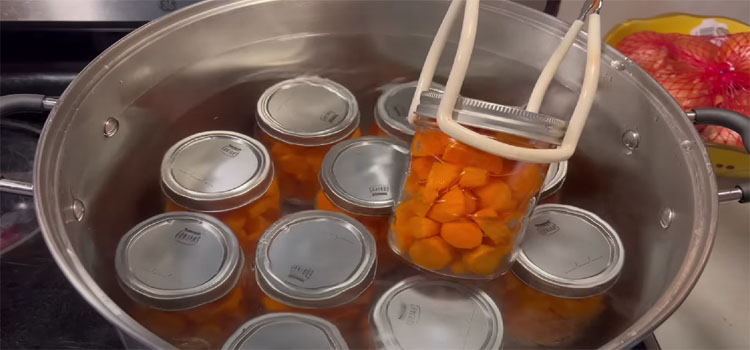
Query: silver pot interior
[{"x": 204, "y": 67}]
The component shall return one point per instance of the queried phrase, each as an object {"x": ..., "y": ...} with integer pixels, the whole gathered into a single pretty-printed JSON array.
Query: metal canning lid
[
  {"x": 496, "y": 117},
  {"x": 315, "y": 259},
  {"x": 363, "y": 176},
  {"x": 286, "y": 330},
  {"x": 216, "y": 171},
  {"x": 392, "y": 109},
  {"x": 420, "y": 313},
  {"x": 308, "y": 111},
  {"x": 555, "y": 178},
  {"x": 178, "y": 261},
  {"x": 569, "y": 252}
]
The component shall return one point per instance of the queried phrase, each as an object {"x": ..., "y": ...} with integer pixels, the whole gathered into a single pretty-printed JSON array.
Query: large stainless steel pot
[{"x": 640, "y": 165}]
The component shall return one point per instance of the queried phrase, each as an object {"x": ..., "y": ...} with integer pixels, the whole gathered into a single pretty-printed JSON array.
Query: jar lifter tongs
[{"x": 458, "y": 73}]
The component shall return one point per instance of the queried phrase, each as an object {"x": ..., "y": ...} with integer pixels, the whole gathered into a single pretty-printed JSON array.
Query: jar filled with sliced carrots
[
  {"x": 225, "y": 174},
  {"x": 462, "y": 210},
  {"x": 318, "y": 262},
  {"x": 392, "y": 109},
  {"x": 361, "y": 178},
  {"x": 187, "y": 275},
  {"x": 568, "y": 260},
  {"x": 299, "y": 121}
]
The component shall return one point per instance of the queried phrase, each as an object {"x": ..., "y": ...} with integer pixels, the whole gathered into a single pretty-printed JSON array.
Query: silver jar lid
[
  {"x": 554, "y": 179},
  {"x": 315, "y": 259},
  {"x": 496, "y": 117},
  {"x": 420, "y": 313},
  {"x": 363, "y": 176},
  {"x": 392, "y": 109},
  {"x": 308, "y": 111},
  {"x": 216, "y": 171},
  {"x": 569, "y": 252},
  {"x": 286, "y": 330},
  {"x": 178, "y": 261}
]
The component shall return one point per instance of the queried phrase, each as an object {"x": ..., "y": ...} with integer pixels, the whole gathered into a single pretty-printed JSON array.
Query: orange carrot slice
[
  {"x": 429, "y": 143},
  {"x": 462, "y": 235},
  {"x": 483, "y": 260},
  {"x": 526, "y": 180},
  {"x": 496, "y": 195},
  {"x": 423, "y": 227},
  {"x": 473, "y": 177},
  {"x": 420, "y": 167},
  {"x": 441, "y": 176},
  {"x": 450, "y": 207},
  {"x": 493, "y": 227},
  {"x": 458, "y": 267},
  {"x": 463, "y": 154},
  {"x": 471, "y": 202},
  {"x": 431, "y": 253}
]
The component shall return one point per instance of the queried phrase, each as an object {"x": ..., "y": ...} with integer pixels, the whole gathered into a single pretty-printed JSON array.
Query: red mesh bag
[{"x": 699, "y": 71}]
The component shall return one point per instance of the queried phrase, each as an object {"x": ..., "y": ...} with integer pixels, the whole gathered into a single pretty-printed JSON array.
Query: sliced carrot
[
  {"x": 512, "y": 219},
  {"x": 431, "y": 253},
  {"x": 412, "y": 184},
  {"x": 273, "y": 305},
  {"x": 496, "y": 195},
  {"x": 423, "y": 227},
  {"x": 450, "y": 207},
  {"x": 441, "y": 176},
  {"x": 429, "y": 143},
  {"x": 470, "y": 202},
  {"x": 462, "y": 235},
  {"x": 526, "y": 179},
  {"x": 459, "y": 153},
  {"x": 458, "y": 267},
  {"x": 473, "y": 177},
  {"x": 420, "y": 167},
  {"x": 483, "y": 260},
  {"x": 235, "y": 219},
  {"x": 495, "y": 229}
]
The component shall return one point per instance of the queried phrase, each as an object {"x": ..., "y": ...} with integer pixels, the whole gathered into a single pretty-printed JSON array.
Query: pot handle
[
  {"x": 740, "y": 124},
  {"x": 19, "y": 103}
]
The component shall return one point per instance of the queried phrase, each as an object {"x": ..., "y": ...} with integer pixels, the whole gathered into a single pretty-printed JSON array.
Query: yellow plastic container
[{"x": 727, "y": 161}]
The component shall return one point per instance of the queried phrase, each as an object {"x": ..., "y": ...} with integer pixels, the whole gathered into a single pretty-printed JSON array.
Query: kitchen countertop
[{"x": 716, "y": 314}]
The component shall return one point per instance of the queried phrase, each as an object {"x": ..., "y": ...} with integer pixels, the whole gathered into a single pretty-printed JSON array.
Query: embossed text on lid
[
  {"x": 286, "y": 330},
  {"x": 216, "y": 171},
  {"x": 308, "y": 111},
  {"x": 569, "y": 252},
  {"x": 363, "y": 176},
  {"x": 421, "y": 313},
  {"x": 178, "y": 260},
  {"x": 315, "y": 259}
]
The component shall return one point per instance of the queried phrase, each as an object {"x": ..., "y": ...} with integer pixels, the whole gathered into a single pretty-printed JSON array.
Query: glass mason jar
[
  {"x": 569, "y": 258},
  {"x": 361, "y": 178},
  {"x": 227, "y": 175},
  {"x": 187, "y": 277},
  {"x": 421, "y": 313},
  {"x": 392, "y": 110},
  {"x": 553, "y": 183},
  {"x": 299, "y": 121},
  {"x": 317, "y": 262},
  {"x": 462, "y": 210},
  {"x": 286, "y": 330}
]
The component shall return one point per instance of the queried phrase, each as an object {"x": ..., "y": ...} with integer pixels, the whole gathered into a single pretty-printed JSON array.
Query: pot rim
[{"x": 51, "y": 214}]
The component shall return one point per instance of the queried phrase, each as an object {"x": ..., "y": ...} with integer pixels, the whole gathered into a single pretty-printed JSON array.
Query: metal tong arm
[{"x": 458, "y": 73}]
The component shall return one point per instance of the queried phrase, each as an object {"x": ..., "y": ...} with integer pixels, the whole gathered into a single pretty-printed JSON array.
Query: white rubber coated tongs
[{"x": 458, "y": 73}]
